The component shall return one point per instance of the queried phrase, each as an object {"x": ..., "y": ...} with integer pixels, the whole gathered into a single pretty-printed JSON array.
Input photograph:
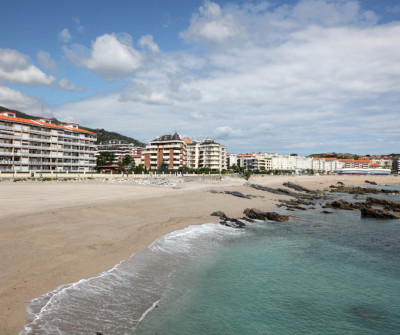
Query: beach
[{"x": 55, "y": 233}]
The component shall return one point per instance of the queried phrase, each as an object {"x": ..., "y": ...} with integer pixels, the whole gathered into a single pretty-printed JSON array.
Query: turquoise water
[{"x": 316, "y": 274}]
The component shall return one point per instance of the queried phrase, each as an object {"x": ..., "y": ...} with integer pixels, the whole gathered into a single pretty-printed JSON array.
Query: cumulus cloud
[
  {"x": 110, "y": 56},
  {"x": 64, "y": 36},
  {"x": 15, "y": 68},
  {"x": 66, "y": 85},
  {"x": 211, "y": 25},
  {"x": 147, "y": 41},
  {"x": 25, "y": 103},
  {"x": 46, "y": 61}
]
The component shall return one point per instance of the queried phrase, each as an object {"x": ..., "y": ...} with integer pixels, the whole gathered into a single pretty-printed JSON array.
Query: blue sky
[{"x": 279, "y": 76}]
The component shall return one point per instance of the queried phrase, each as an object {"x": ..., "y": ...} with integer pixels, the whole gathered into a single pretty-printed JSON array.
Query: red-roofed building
[{"x": 39, "y": 145}]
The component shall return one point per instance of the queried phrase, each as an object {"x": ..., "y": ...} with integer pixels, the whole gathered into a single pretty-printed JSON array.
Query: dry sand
[{"x": 54, "y": 233}]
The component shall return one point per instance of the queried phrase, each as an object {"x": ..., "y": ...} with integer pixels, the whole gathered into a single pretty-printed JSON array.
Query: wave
[{"x": 115, "y": 301}]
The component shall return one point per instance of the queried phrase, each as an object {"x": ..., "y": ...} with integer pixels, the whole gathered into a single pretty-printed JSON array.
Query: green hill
[{"x": 102, "y": 135}]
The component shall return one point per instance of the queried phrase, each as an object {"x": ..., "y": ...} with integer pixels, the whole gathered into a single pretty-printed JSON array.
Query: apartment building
[
  {"x": 205, "y": 154},
  {"x": 120, "y": 149},
  {"x": 38, "y": 145},
  {"x": 168, "y": 149}
]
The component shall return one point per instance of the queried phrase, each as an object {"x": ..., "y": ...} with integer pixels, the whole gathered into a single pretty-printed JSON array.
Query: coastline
[{"x": 58, "y": 233}]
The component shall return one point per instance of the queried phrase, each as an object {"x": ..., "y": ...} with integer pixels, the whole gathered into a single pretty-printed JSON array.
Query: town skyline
[{"x": 294, "y": 76}]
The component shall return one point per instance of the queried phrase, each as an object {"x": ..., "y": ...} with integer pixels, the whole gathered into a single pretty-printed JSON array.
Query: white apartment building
[
  {"x": 119, "y": 148},
  {"x": 38, "y": 145},
  {"x": 205, "y": 154},
  {"x": 168, "y": 149},
  {"x": 326, "y": 164}
]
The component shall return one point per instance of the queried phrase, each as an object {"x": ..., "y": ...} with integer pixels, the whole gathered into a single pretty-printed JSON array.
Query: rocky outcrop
[
  {"x": 371, "y": 182},
  {"x": 256, "y": 214},
  {"x": 298, "y": 188},
  {"x": 218, "y": 213},
  {"x": 388, "y": 205},
  {"x": 368, "y": 207},
  {"x": 377, "y": 213},
  {"x": 342, "y": 204},
  {"x": 361, "y": 190},
  {"x": 237, "y": 194}
]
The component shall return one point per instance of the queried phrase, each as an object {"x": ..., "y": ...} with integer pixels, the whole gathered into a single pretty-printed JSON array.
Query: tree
[
  {"x": 104, "y": 158},
  {"x": 163, "y": 168}
]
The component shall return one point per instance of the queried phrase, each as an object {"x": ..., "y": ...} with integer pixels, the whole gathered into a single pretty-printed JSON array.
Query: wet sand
[{"x": 54, "y": 233}]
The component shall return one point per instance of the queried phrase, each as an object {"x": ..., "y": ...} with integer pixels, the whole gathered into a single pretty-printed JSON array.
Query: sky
[{"x": 304, "y": 77}]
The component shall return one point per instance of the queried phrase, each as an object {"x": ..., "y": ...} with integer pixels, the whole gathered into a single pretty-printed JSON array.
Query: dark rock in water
[
  {"x": 232, "y": 222},
  {"x": 362, "y": 190},
  {"x": 342, "y": 204},
  {"x": 388, "y": 205},
  {"x": 340, "y": 183},
  {"x": 256, "y": 214},
  {"x": 377, "y": 213},
  {"x": 371, "y": 182},
  {"x": 326, "y": 212},
  {"x": 218, "y": 213},
  {"x": 98, "y": 333},
  {"x": 357, "y": 197}
]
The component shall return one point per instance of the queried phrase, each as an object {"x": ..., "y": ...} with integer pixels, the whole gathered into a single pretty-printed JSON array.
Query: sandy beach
[{"x": 54, "y": 233}]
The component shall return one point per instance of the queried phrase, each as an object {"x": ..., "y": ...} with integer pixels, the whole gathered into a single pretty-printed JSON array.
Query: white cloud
[
  {"x": 13, "y": 99},
  {"x": 196, "y": 116},
  {"x": 15, "y": 68},
  {"x": 111, "y": 56},
  {"x": 46, "y": 61},
  {"x": 66, "y": 85},
  {"x": 64, "y": 36},
  {"x": 148, "y": 42},
  {"x": 211, "y": 25},
  {"x": 78, "y": 26},
  {"x": 226, "y": 132}
]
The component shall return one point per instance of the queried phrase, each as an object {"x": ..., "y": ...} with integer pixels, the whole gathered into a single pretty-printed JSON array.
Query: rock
[
  {"x": 340, "y": 183},
  {"x": 238, "y": 194},
  {"x": 219, "y": 214},
  {"x": 388, "y": 205},
  {"x": 232, "y": 222},
  {"x": 362, "y": 190},
  {"x": 377, "y": 213},
  {"x": 342, "y": 204},
  {"x": 326, "y": 212},
  {"x": 357, "y": 197},
  {"x": 256, "y": 214},
  {"x": 298, "y": 187},
  {"x": 371, "y": 182}
]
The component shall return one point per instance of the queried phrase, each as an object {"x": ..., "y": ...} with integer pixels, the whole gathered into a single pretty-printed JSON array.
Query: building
[
  {"x": 205, "y": 154},
  {"x": 120, "y": 149},
  {"x": 39, "y": 145},
  {"x": 167, "y": 149}
]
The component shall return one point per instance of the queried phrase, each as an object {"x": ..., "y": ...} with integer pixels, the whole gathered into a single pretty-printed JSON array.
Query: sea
[{"x": 314, "y": 274}]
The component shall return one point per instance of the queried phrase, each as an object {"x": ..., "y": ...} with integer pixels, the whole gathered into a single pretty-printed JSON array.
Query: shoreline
[{"x": 57, "y": 233}]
